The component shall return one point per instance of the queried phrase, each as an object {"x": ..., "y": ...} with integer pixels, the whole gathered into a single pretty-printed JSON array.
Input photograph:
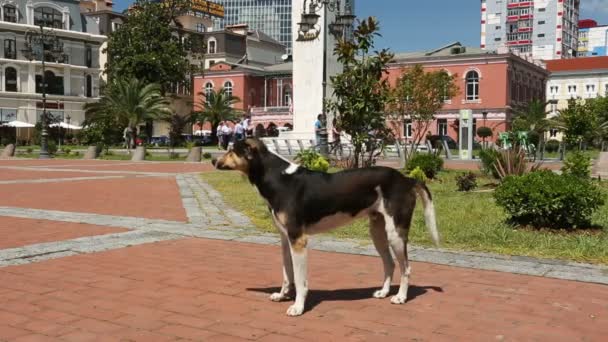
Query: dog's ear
[{"x": 252, "y": 148}]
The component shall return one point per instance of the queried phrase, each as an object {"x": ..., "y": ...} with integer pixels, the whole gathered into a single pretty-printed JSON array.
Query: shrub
[
  {"x": 76, "y": 153},
  {"x": 206, "y": 155},
  {"x": 488, "y": 157},
  {"x": 577, "y": 164},
  {"x": 109, "y": 153},
  {"x": 552, "y": 146},
  {"x": 418, "y": 174},
  {"x": 66, "y": 150},
  {"x": 513, "y": 162},
  {"x": 484, "y": 132},
  {"x": 29, "y": 150},
  {"x": 312, "y": 160},
  {"x": 52, "y": 147},
  {"x": 430, "y": 163},
  {"x": 466, "y": 181},
  {"x": 545, "y": 199},
  {"x": 173, "y": 155}
]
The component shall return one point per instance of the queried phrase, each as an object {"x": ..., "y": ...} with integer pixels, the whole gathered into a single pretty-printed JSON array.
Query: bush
[
  {"x": 206, "y": 155},
  {"x": 577, "y": 164},
  {"x": 484, "y": 132},
  {"x": 466, "y": 181},
  {"x": 488, "y": 157},
  {"x": 52, "y": 147},
  {"x": 545, "y": 199},
  {"x": 76, "y": 153},
  {"x": 66, "y": 150},
  {"x": 29, "y": 150},
  {"x": 173, "y": 155},
  {"x": 312, "y": 160},
  {"x": 418, "y": 174},
  {"x": 513, "y": 162},
  {"x": 552, "y": 146},
  {"x": 109, "y": 153},
  {"x": 430, "y": 163}
]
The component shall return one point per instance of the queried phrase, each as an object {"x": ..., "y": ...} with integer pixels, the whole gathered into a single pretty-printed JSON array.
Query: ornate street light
[
  {"x": 309, "y": 30},
  {"x": 36, "y": 47}
]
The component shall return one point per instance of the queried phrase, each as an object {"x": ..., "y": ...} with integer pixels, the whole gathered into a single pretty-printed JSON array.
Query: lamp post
[
  {"x": 38, "y": 45},
  {"x": 68, "y": 119},
  {"x": 309, "y": 30}
]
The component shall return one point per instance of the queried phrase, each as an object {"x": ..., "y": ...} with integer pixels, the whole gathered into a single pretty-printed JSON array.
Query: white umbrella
[
  {"x": 66, "y": 126},
  {"x": 17, "y": 125}
]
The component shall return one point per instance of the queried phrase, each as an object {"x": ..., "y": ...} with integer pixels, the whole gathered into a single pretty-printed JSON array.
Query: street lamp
[
  {"x": 309, "y": 30},
  {"x": 38, "y": 45}
]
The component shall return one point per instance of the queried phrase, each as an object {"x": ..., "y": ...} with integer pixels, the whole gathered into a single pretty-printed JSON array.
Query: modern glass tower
[{"x": 272, "y": 17}]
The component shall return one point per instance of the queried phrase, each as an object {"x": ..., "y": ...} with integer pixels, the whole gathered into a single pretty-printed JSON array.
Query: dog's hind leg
[
  {"x": 397, "y": 237},
  {"x": 378, "y": 234},
  {"x": 287, "y": 288},
  {"x": 300, "y": 268}
]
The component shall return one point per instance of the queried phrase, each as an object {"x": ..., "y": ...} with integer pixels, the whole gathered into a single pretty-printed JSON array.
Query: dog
[{"x": 303, "y": 202}]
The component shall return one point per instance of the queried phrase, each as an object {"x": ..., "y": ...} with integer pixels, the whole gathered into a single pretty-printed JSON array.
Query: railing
[{"x": 259, "y": 111}]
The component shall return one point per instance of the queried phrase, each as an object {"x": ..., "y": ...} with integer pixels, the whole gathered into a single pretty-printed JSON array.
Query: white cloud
[{"x": 593, "y": 6}]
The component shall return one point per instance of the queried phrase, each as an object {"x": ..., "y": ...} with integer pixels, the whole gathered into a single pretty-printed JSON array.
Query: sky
[{"x": 410, "y": 25}]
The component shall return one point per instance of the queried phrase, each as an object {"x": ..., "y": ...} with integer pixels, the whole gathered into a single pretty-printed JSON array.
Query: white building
[
  {"x": 593, "y": 39},
  {"x": 72, "y": 79},
  {"x": 543, "y": 29}
]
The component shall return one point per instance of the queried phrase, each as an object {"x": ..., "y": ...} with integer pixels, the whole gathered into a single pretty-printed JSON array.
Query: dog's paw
[
  {"x": 381, "y": 294},
  {"x": 295, "y": 310},
  {"x": 397, "y": 299},
  {"x": 277, "y": 297}
]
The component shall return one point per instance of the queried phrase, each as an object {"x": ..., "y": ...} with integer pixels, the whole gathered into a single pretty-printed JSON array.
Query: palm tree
[
  {"x": 215, "y": 107},
  {"x": 532, "y": 117},
  {"x": 131, "y": 102}
]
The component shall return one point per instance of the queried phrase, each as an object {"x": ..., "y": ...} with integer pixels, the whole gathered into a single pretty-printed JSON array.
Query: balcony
[{"x": 271, "y": 114}]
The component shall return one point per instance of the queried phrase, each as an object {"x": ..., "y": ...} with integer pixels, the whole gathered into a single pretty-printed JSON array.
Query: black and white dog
[{"x": 304, "y": 202}]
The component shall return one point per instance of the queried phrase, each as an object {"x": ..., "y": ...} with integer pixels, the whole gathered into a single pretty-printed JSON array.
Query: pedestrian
[
  {"x": 239, "y": 131},
  {"x": 245, "y": 124},
  {"x": 227, "y": 135},
  {"x": 218, "y": 133},
  {"x": 318, "y": 129}
]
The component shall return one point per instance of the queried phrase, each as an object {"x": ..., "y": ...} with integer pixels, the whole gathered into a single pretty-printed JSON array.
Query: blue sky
[{"x": 432, "y": 23}]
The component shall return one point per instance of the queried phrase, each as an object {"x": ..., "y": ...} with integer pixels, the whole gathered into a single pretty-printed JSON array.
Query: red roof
[
  {"x": 586, "y": 23},
  {"x": 577, "y": 64}
]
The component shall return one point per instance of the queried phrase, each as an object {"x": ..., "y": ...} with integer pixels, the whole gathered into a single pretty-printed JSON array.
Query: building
[
  {"x": 272, "y": 17},
  {"x": 592, "y": 39},
  {"x": 72, "y": 77},
  {"x": 543, "y": 29},
  {"x": 490, "y": 84}
]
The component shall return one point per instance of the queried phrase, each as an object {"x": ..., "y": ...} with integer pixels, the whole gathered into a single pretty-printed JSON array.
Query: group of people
[{"x": 226, "y": 134}]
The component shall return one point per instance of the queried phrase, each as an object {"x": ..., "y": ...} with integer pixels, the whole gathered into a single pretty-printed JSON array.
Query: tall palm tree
[
  {"x": 215, "y": 107},
  {"x": 131, "y": 102}
]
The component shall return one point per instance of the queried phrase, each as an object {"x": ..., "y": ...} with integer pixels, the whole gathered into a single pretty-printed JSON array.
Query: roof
[
  {"x": 263, "y": 37},
  {"x": 452, "y": 49},
  {"x": 577, "y": 64},
  {"x": 280, "y": 68}
]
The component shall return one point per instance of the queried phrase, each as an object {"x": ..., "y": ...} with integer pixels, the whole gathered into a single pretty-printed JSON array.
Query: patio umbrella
[
  {"x": 17, "y": 125},
  {"x": 66, "y": 126}
]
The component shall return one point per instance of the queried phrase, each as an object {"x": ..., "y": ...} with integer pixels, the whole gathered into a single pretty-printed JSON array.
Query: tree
[
  {"x": 578, "y": 122},
  {"x": 532, "y": 118},
  {"x": 484, "y": 132},
  {"x": 177, "y": 126},
  {"x": 101, "y": 130},
  {"x": 130, "y": 102},
  {"x": 417, "y": 96},
  {"x": 145, "y": 46},
  {"x": 361, "y": 92},
  {"x": 215, "y": 107}
]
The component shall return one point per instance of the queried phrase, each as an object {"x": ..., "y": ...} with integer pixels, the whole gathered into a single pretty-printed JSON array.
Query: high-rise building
[
  {"x": 592, "y": 39},
  {"x": 272, "y": 17},
  {"x": 543, "y": 29}
]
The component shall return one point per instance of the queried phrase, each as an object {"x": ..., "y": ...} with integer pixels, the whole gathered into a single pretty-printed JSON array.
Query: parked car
[
  {"x": 436, "y": 141},
  {"x": 160, "y": 140}
]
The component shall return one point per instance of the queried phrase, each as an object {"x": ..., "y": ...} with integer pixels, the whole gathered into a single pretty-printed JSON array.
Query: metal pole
[
  {"x": 44, "y": 147},
  {"x": 324, "y": 148}
]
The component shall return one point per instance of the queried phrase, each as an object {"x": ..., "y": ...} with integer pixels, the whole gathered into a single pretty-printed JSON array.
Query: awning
[
  {"x": 19, "y": 124},
  {"x": 65, "y": 125}
]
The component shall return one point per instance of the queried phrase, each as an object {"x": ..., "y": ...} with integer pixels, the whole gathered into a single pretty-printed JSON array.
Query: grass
[{"x": 466, "y": 221}]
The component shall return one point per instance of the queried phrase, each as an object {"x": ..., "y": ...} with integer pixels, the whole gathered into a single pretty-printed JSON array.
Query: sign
[
  {"x": 466, "y": 134},
  {"x": 207, "y": 7}
]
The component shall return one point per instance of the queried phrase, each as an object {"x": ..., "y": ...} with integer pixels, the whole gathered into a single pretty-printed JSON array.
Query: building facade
[
  {"x": 272, "y": 17},
  {"x": 543, "y": 29},
  {"x": 72, "y": 78},
  {"x": 592, "y": 39}
]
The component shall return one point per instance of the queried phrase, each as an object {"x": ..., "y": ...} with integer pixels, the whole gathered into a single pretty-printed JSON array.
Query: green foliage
[
  {"x": 173, "y": 155},
  {"x": 577, "y": 164},
  {"x": 66, "y": 150},
  {"x": 552, "y": 146},
  {"x": 466, "y": 181},
  {"x": 312, "y": 160},
  {"x": 214, "y": 108},
  {"x": 418, "y": 95},
  {"x": 361, "y": 92},
  {"x": 545, "y": 199},
  {"x": 513, "y": 162},
  {"x": 29, "y": 150},
  {"x": 52, "y": 147},
  {"x": 484, "y": 132},
  {"x": 488, "y": 157},
  {"x": 578, "y": 122},
  {"x": 430, "y": 163},
  {"x": 207, "y": 155},
  {"x": 418, "y": 174},
  {"x": 177, "y": 125},
  {"x": 145, "y": 47}
]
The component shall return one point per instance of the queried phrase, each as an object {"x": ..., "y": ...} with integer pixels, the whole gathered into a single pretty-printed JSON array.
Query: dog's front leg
[
  {"x": 287, "y": 286},
  {"x": 299, "y": 259}
]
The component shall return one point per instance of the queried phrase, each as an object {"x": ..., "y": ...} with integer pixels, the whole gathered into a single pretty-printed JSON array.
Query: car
[{"x": 437, "y": 139}]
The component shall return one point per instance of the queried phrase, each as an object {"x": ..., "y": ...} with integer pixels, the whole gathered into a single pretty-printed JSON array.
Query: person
[
  {"x": 318, "y": 128},
  {"x": 218, "y": 133},
  {"x": 227, "y": 135},
  {"x": 245, "y": 124},
  {"x": 239, "y": 131},
  {"x": 336, "y": 133}
]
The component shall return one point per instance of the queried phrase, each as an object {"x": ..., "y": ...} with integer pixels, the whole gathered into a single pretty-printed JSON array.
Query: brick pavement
[{"x": 147, "y": 263}]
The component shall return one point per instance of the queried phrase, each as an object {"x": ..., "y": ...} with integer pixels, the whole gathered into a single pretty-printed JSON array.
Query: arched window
[
  {"x": 287, "y": 96},
  {"x": 472, "y": 80},
  {"x": 89, "y": 85},
  {"x": 10, "y": 79},
  {"x": 211, "y": 46},
  {"x": 48, "y": 17},
  {"x": 228, "y": 88},
  {"x": 54, "y": 84},
  {"x": 10, "y": 13}
]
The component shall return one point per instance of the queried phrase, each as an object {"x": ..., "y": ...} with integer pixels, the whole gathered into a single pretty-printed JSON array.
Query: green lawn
[{"x": 466, "y": 221}]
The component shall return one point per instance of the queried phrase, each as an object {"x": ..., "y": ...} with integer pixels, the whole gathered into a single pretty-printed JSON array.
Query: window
[
  {"x": 211, "y": 46},
  {"x": 553, "y": 133},
  {"x": 553, "y": 90},
  {"x": 606, "y": 89},
  {"x": 541, "y": 35},
  {"x": 10, "y": 13},
  {"x": 228, "y": 88},
  {"x": 407, "y": 129},
  {"x": 208, "y": 90},
  {"x": 497, "y": 39},
  {"x": 89, "y": 89},
  {"x": 48, "y": 17},
  {"x": 541, "y": 22},
  {"x": 498, "y": 27},
  {"x": 590, "y": 88},
  {"x": 54, "y": 84},
  {"x": 200, "y": 27},
  {"x": 287, "y": 96},
  {"x": 472, "y": 80},
  {"x": 10, "y": 79},
  {"x": 89, "y": 57},
  {"x": 541, "y": 9},
  {"x": 442, "y": 126},
  {"x": 10, "y": 49},
  {"x": 572, "y": 90}
]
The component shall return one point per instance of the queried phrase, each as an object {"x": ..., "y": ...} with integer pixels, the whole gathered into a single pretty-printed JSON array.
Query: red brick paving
[
  {"x": 215, "y": 290},
  {"x": 12, "y": 174},
  {"x": 161, "y": 167},
  {"x": 148, "y": 197},
  {"x": 17, "y": 232}
]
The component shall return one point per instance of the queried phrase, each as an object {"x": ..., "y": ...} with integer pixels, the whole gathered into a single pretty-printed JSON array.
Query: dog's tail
[{"x": 429, "y": 211}]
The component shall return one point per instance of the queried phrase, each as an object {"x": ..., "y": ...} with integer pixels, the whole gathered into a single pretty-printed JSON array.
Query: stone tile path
[{"x": 98, "y": 250}]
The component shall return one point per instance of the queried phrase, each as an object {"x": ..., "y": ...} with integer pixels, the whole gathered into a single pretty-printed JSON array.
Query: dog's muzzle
[{"x": 214, "y": 161}]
